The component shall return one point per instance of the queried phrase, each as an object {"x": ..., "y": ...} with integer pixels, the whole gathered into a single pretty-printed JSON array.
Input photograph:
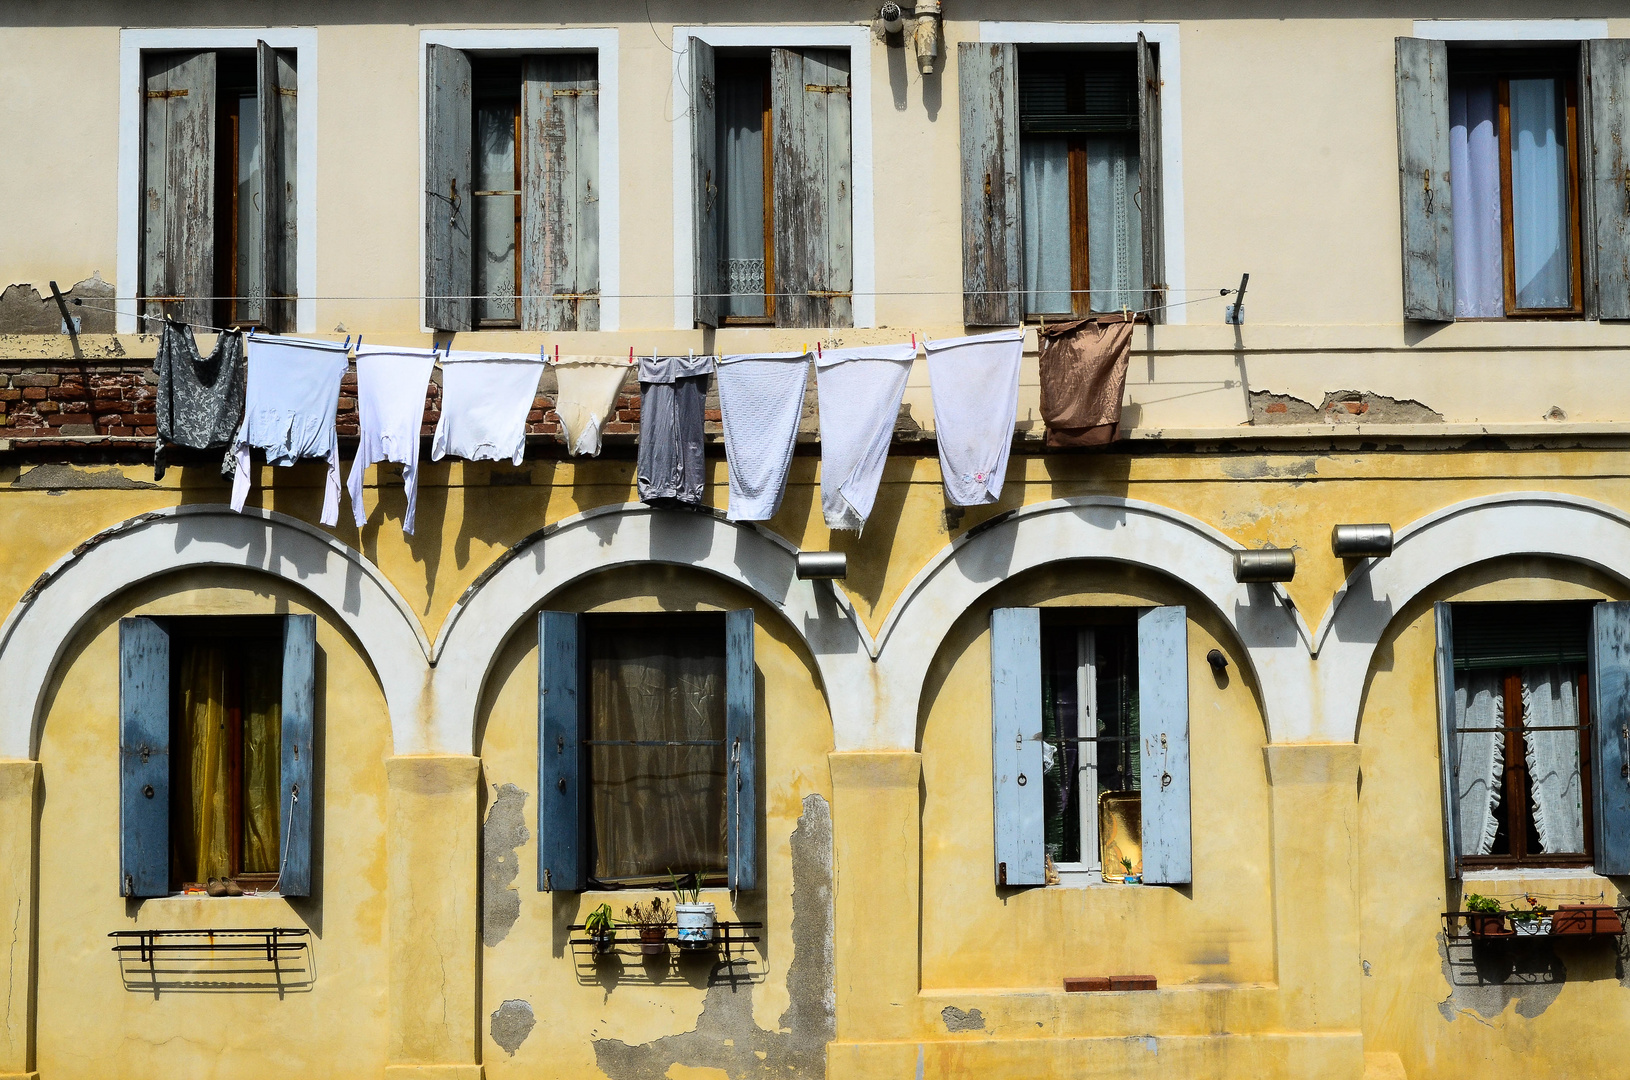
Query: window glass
[
  {"x": 742, "y": 119},
  {"x": 249, "y": 201},
  {"x": 1474, "y": 188},
  {"x": 1539, "y": 193},
  {"x": 496, "y": 177}
]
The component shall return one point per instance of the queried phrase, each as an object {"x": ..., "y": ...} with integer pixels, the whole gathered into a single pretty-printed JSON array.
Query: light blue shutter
[
  {"x": 299, "y": 732},
  {"x": 562, "y": 849},
  {"x": 1423, "y": 180},
  {"x": 1015, "y": 729},
  {"x": 705, "y": 161},
  {"x": 1449, "y": 754},
  {"x": 741, "y": 750},
  {"x": 1163, "y": 727},
  {"x": 1610, "y": 721},
  {"x": 144, "y": 758}
]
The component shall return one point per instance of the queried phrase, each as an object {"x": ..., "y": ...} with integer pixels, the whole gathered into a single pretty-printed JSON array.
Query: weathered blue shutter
[
  {"x": 705, "y": 161},
  {"x": 1605, "y": 116},
  {"x": 178, "y": 186},
  {"x": 562, "y": 849},
  {"x": 560, "y": 192},
  {"x": 144, "y": 758},
  {"x": 271, "y": 286},
  {"x": 1448, "y": 755},
  {"x": 1015, "y": 732},
  {"x": 448, "y": 199},
  {"x": 1610, "y": 724},
  {"x": 988, "y": 93},
  {"x": 1163, "y": 728},
  {"x": 299, "y": 736},
  {"x": 741, "y": 746},
  {"x": 810, "y": 123},
  {"x": 1423, "y": 180},
  {"x": 1149, "y": 190}
]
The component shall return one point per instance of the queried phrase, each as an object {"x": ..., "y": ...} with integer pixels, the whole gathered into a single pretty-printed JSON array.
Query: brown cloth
[{"x": 1083, "y": 373}]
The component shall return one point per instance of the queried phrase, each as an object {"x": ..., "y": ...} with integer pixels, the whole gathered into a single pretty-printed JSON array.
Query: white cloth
[
  {"x": 1550, "y": 699},
  {"x": 1479, "y": 763},
  {"x": 585, "y": 395},
  {"x": 975, "y": 382},
  {"x": 484, "y": 401},
  {"x": 860, "y": 391},
  {"x": 391, "y": 386},
  {"x": 761, "y": 399},
  {"x": 288, "y": 411}
]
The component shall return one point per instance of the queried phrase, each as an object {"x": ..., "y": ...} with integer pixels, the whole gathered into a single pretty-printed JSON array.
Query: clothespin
[
  {"x": 1126, "y": 313},
  {"x": 817, "y": 350},
  {"x": 914, "y": 341},
  {"x": 348, "y": 341},
  {"x": 631, "y": 355},
  {"x": 359, "y": 341},
  {"x": 557, "y": 354}
]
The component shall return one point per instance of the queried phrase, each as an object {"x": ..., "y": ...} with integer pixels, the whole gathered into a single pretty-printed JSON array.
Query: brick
[
  {"x": 1132, "y": 982},
  {"x": 1084, "y": 984},
  {"x": 33, "y": 393},
  {"x": 10, "y": 395},
  {"x": 35, "y": 380},
  {"x": 72, "y": 408},
  {"x": 1277, "y": 407},
  {"x": 148, "y": 431},
  {"x": 47, "y": 408},
  {"x": 108, "y": 393}
]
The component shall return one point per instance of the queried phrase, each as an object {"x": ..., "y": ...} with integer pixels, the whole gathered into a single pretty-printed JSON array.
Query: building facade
[{"x": 428, "y": 758}]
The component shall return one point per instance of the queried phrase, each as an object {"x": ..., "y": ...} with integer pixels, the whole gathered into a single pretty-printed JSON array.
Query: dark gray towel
[
  {"x": 673, "y": 398},
  {"x": 200, "y": 401}
]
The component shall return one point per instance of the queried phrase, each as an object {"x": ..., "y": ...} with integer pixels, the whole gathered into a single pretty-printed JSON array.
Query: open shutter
[
  {"x": 1423, "y": 180},
  {"x": 560, "y": 192},
  {"x": 1610, "y": 738},
  {"x": 1448, "y": 755},
  {"x": 144, "y": 758},
  {"x": 1607, "y": 176},
  {"x": 1163, "y": 728},
  {"x": 299, "y": 716},
  {"x": 1149, "y": 191},
  {"x": 272, "y": 294},
  {"x": 448, "y": 273},
  {"x": 1015, "y": 734},
  {"x": 810, "y": 126},
  {"x": 741, "y": 746},
  {"x": 562, "y": 847},
  {"x": 178, "y": 181},
  {"x": 988, "y": 86},
  {"x": 709, "y": 283}
]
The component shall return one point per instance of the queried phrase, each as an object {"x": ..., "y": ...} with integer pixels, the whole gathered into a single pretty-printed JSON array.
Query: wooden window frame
[
  {"x": 1570, "y": 92},
  {"x": 515, "y": 194},
  {"x": 230, "y": 300},
  {"x": 728, "y": 59}
]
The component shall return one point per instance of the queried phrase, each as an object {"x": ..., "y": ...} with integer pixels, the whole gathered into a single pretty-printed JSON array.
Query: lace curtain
[
  {"x": 1114, "y": 225},
  {"x": 1474, "y": 188},
  {"x": 1479, "y": 758},
  {"x": 1550, "y": 698}
]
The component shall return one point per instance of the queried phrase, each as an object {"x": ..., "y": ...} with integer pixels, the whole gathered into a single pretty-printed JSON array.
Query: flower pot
[
  {"x": 653, "y": 940},
  {"x": 604, "y": 943},
  {"x": 1580, "y": 919},
  {"x": 1532, "y": 927},
  {"x": 1487, "y": 924},
  {"x": 696, "y": 923}
]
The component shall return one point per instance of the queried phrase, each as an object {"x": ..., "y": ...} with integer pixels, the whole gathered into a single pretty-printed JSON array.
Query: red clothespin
[
  {"x": 557, "y": 354},
  {"x": 914, "y": 341},
  {"x": 631, "y": 356},
  {"x": 818, "y": 353}
]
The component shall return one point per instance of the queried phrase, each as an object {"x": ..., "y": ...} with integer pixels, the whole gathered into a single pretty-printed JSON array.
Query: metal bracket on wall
[
  {"x": 1234, "y": 314},
  {"x": 70, "y": 324}
]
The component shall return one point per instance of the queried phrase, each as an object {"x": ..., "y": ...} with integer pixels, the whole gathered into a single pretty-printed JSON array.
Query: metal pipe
[
  {"x": 926, "y": 35},
  {"x": 822, "y": 564},
  {"x": 1362, "y": 541},
  {"x": 1264, "y": 564}
]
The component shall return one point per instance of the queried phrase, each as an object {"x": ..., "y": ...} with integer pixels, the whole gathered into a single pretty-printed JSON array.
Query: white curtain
[
  {"x": 1479, "y": 758},
  {"x": 1550, "y": 699},
  {"x": 1539, "y": 194},
  {"x": 495, "y": 214},
  {"x": 1044, "y": 199},
  {"x": 740, "y": 121},
  {"x": 1474, "y": 187},
  {"x": 1114, "y": 225}
]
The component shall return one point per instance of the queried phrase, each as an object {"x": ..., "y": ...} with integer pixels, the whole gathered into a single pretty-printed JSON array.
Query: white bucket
[{"x": 695, "y": 925}]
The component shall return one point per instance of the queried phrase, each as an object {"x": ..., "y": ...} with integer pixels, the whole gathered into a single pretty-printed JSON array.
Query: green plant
[
  {"x": 599, "y": 923},
  {"x": 1484, "y": 904},
  {"x": 1535, "y": 910},
  {"x": 1126, "y": 864},
  {"x": 654, "y": 915},
  {"x": 682, "y": 895}
]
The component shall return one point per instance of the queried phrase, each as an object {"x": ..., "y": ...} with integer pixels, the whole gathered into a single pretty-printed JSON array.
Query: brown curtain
[
  {"x": 262, "y": 760},
  {"x": 202, "y": 831},
  {"x": 657, "y": 808}
]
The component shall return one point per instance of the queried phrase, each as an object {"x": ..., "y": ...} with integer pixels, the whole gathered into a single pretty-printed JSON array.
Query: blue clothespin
[
  {"x": 359, "y": 341},
  {"x": 347, "y": 342}
]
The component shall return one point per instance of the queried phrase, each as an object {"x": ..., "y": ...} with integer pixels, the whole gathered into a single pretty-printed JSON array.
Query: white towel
[
  {"x": 391, "y": 386},
  {"x": 860, "y": 392},
  {"x": 585, "y": 396},
  {"x": 761, "y": 399},
  {"x": 975, "y": 382},
  {"x": 289, "y": 407},
  {"x": 484, "y": 401}
]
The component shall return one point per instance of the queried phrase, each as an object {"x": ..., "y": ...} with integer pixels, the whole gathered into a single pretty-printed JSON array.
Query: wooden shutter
[
  {"x": 709, "y": 282},
  {"x": 276, "y": 84},
  {"x": 560, "y": 192},
  {"x": 1448, "y": 756},
  {"x": 1423, "y": 180},
  {"x": 1149, "y": 190},
  {"x": 741, "y": 749},
  {"x": 1163, "y": 728},
  {"x": 144, "y": 758},
  {"x": 178, "y": 181},
  {"x": 448, "y": 273},
  {"x": 1015, "y": 732},
  {"x": 562, "y": 846},
  {"x": 988, "y": 86},
  {"x": 814, "y": 227},
  {"x": 1610, "y": 735},
  {"x": 299, "y": 748},
  {"x": 1607, "y": 175}
]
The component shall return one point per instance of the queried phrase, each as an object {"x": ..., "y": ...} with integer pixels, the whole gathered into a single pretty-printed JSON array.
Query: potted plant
[
  {"x": 601, "y": 927},
  {"x": 694, "y": 918},
  {"x": 652, "y": 919},
  {"x": 1485, "y": 917},
  {"x": 1128, "y": 877},
  {"x": 1535, "y": 921}
]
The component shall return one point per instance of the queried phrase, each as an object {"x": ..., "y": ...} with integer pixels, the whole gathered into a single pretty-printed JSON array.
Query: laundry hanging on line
[
  {"x": 391, "y": 386},
  {"x": 671, "y": 470},
  {"x": 1083, "y": 376},
  {"x": 761, "y": 399},
  {"x": 975, "y": 383},
  {"x": 859, "y": 391},
  {"x": 200, "y": 399},
  {"x": 485, "y": 398},
  {"x": 585, "y": 395},
  {"x": 289, "y": 411}
]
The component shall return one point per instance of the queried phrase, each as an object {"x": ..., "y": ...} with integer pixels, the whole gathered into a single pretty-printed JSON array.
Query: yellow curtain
[
  {"x": 262, "y": 760},
  {"x": 203, "y": 842}
]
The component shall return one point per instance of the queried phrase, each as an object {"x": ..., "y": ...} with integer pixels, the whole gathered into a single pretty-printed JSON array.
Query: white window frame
[
  {"x": 1166, "y": 36},
  {"x": 858, "y": 40},
  {"x": 132, "y": 44},
  {"x": 602, "y": 41},
  {"x": 1090, "y": 870},
  {"x": 1510, "y": 29}
]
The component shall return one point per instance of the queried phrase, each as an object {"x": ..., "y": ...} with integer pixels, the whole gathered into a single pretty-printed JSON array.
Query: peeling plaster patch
[
  {"x": 1484, "y": 979},
  {"x": 1556, "y": 413},
  {"x": 1257, "y": 468},
  {"x": 725, "y": 1037},
  {"x": 957, "y": 1020},
  {"x": 512, "y": 1022},
  {"x": 24, "y": 310},
  {"x": 59, "y": 477},
  {"x": 1340, "y": 407},
  {"x": 503, "y": 832}
]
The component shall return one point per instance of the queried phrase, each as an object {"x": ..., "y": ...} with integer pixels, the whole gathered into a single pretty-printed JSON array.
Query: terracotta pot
[
  {"x": 1572, "y": 919},
  {"x": 1487, "y": 924},
  {"x": 653, "y": 940}
]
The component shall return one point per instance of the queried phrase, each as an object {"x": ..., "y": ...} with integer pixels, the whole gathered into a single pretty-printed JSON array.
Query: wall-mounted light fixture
[
  {"x": 1361, "y": 541},
  {"x": 1264, "y": 564},
  {"x": 822, "y": 564},
  {"x": 893, "y": 19}
]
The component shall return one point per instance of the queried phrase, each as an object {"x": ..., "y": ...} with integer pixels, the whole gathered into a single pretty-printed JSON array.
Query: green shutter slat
[
  {"x": 705, "y": 161},
  {"x": 1149, "y": 178},
  {"x": 1016, "y": 742},
  {"x": 273, "y": 277},
  {"x": 988, "y": 92},
  {"x": 1423, "y": 179},
  {"x": 178, "y": 180},
  {"x": 1610, "y": 722},
  {"x": 560, "y": 192},
  {"x": 299, "y": 710},
  {"x": 814, "y": 227},
  {"x": 1449, "y": 746},
  {"x": 741, "y": 745},
  {"x": 562, "y": 845},
  {"x": 448, "y": 203},
  {"x": 1163, "y": 729},
  {"x": 144, "y": 758},
  {"x": 1608, "y": 168}
]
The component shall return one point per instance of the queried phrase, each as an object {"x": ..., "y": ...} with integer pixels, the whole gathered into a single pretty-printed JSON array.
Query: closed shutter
[
  {"x": 1608, "y": 174},
  {"x": 705, "y": 163},
  {"x": 1163, "y": 729},
  {"x": 1149, "y": 191},
  {"x": 560, "y": 192},
  {"x": 299, "y": 739},
  {"x": 144, "y": 758},
  {"x": 562, "y": 848},
  {"x": 1423, "y": 180},
  {"x": 741, "y": 746},
  {"x": 988, "y": 88},
  {"x": 1610, "y": 721},
  {"x": 272, "y": 291},
  {"x": 1448, "y": 755},
  {"x": 449, "y": 276},
  {"x": 1015, "y": 731},
  {"x": 178, "y": 181},
  {"x": 814, "y": 249}
]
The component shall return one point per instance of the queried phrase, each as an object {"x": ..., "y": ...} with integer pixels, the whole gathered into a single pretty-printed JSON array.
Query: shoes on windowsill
[{"x": 216, "y": 887}]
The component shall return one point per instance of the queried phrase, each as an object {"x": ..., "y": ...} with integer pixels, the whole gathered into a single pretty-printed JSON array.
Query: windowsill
[
  {"x": 1088, "y": 879},
  {"x": 1533, "y": 873}
]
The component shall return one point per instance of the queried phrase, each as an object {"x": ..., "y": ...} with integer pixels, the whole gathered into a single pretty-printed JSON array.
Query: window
[
  {"x": 746, "y": 199},
  {"x": 216, "y": 718},
  {"x": 647, "y": 734}
]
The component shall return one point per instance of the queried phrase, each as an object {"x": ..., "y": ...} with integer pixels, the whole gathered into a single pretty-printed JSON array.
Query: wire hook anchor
[{"x": 1234, "y": 314}]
